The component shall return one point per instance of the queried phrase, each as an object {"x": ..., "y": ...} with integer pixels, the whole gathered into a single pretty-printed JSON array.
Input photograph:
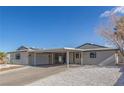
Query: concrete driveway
[{"x": 26, "y": 75}]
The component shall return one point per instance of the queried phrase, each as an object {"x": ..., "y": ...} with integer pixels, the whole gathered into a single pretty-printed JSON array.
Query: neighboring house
[{"x": 87, "y": 54}]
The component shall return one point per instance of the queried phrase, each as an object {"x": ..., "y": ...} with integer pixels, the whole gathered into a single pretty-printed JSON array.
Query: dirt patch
[
  {"x": 9, "y": 68},
  {"x": 2, "y": 62}
]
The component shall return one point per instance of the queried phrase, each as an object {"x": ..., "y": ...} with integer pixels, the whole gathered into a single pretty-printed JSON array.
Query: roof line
[{"x": 91, "y": 44}]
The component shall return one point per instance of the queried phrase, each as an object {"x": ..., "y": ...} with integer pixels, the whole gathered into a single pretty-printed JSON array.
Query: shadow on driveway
[
  {"x": 47, "y": 66},
  {"x": 58, "y": 65},
  {"x": 120, "y": 81}
]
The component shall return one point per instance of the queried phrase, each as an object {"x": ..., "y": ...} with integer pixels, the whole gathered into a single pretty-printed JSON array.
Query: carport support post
[
  {"x": 52, "y": 58},
  {"x": 116, "y": 58},
  {"x": 81, "y": 58},
  {"x": 67, "y": 59},
  {"x": 34, "y": 58}
]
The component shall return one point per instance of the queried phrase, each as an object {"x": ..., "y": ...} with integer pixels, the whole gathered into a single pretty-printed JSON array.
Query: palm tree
[{"x": 2, "y": 56}]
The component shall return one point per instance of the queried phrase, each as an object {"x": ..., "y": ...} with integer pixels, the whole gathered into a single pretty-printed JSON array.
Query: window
[
  {"x": 60, "y": 58},
  {"x": 92, "y": 54},
  {"x": 29, "y": 55},
  {"x": 18, "y": 56},
  {"x": 77, "y": 55}
]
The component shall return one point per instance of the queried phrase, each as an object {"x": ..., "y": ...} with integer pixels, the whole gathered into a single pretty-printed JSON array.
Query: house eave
[{"x": 65, "y": 49}]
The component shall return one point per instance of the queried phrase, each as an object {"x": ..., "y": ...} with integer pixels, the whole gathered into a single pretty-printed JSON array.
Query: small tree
[
  {"x": 113, "y": 32},
  {"x": 2, "y": 56}
]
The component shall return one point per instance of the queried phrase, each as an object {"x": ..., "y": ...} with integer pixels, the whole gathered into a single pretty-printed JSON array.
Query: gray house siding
[
  {"x": 23, "y": 59},
  {"x": 78, "y": 55},
  {"x": 27, "y": 58},
  {"x": 42, "y": 58},
  {"x": 121, "y": 58},
  {"x": 100, "y": 56},
  {"x": 31, "y": 58},
  {"x": 71, "y": 60}
]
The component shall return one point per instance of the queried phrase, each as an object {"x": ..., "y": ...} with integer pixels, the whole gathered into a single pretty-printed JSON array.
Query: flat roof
[
  {"x": 65, "y": 49},
  {"x": 73, "y": 49}
]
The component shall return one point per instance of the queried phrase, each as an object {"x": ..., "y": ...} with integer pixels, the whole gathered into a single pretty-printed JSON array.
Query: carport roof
[
  {"x": 65, "y": 49},
  {"x": 72, "y": 49}
]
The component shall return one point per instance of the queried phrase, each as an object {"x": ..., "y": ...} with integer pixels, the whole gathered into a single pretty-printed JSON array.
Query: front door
[
  {"x": 60, "y": 58},
  {"x": 77, "y": 58}
]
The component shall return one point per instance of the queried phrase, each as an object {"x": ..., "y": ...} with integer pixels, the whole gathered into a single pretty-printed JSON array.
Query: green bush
[{"x": 2, "y": 55}]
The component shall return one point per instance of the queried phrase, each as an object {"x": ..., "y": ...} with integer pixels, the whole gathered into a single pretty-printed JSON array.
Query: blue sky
[{"x": 49, "y": 27}]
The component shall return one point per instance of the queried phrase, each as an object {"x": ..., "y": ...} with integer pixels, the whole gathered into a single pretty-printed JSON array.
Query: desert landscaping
[{"x": 84, "y": 76}]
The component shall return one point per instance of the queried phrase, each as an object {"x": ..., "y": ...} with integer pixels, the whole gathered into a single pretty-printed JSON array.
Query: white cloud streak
[{"x": 116, "y": 10}]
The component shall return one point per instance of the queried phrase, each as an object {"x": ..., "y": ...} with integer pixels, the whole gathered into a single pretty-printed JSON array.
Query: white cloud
[
  {"x": 108, "y": 45},
  {"x": 116, "y": 10},
  {"x": 106, "y": 14},
  {"x": 119, "y": 10}
]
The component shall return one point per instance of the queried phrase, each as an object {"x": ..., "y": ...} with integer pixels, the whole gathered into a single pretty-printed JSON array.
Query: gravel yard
[{"x": 83, "y": 76}]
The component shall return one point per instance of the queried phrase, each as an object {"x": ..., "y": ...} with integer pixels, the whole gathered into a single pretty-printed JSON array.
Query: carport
[{"x": 60, "y": 54}]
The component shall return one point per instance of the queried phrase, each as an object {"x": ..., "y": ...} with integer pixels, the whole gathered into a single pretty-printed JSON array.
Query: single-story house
[{"x": 86, "y": 54}]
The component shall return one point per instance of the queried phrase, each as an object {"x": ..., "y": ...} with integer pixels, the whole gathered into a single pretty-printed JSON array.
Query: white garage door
[{"x": 42, "y": 59}]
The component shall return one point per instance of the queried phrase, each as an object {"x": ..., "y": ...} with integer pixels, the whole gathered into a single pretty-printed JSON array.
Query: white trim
[
  {"x": 81, "y": 58},
  {"x": 35, "y": 59},
  {"x": 116, "y": 58},
  {"x": 67, "y": 59}
]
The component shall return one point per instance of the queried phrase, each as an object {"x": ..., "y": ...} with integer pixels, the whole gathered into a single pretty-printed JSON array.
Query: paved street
[{"x": 27, "y": 75}]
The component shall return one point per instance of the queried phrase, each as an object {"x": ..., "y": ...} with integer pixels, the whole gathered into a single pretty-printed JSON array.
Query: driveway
[
  {"x": 26, "y": 75},
  {"x": 83, "y": 76}
]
